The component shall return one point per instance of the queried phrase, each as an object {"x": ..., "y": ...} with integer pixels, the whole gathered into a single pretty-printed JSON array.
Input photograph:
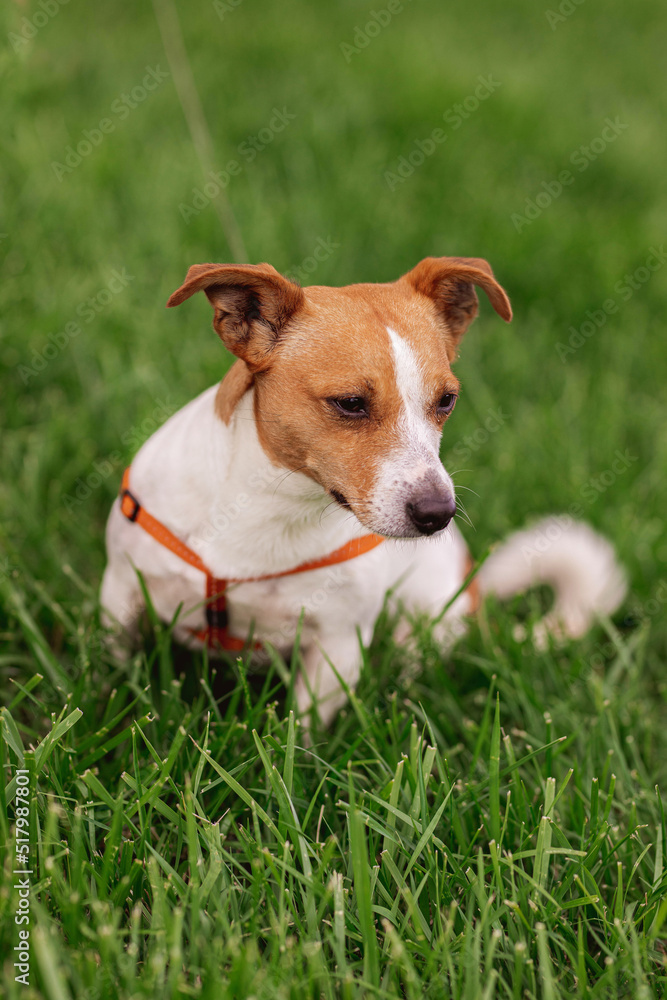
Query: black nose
[{"x": 431, "y": 513}]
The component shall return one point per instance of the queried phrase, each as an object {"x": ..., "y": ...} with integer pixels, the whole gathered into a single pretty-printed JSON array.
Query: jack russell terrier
[{"x": 309, "y": 483}]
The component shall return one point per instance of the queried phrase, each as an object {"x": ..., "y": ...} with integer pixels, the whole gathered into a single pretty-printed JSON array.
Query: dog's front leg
[
  {"x": 317, "y": 685},
  {"x": 122, "y": 604}
]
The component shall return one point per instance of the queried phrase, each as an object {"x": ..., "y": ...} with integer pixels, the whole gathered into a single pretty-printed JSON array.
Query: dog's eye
[
  {"x": 351, "y": 406},
  {"x": 446, "y": 404}
]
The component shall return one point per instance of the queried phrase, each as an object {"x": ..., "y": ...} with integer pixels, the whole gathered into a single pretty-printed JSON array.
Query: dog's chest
[{"x": 325, "y": 600}]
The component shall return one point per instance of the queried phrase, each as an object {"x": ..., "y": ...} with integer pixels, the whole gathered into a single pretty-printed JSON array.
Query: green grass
[{"x": 486, "y": 825}]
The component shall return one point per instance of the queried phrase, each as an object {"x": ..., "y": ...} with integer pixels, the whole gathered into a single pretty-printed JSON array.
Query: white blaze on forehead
[
  {"x": 419, "y": 454},
  {"x": 409, "y": 376},
  {"x": 413, "y": 465}
]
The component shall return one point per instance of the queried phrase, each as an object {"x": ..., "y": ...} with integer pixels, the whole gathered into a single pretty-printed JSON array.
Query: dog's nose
[{"x": 431, "y": 513}]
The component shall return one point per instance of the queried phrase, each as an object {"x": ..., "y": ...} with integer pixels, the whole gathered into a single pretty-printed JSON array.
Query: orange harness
[{"x": 216, "y": 632}]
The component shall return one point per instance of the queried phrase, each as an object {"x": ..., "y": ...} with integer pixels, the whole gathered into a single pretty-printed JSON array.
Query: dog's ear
[
  {"x": 251, "y": 304},
  {"x": 449, "y": 282}
]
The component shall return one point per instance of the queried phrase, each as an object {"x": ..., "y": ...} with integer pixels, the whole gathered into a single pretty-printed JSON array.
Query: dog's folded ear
[
  {"x": 252, "y": 304},
  {"x": 449, "y": 282}
]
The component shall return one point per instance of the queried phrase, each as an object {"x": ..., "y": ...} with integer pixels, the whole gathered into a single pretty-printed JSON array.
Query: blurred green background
[
  {"x": 356, "y": 112},
  {"x": 563, "y": 410}
]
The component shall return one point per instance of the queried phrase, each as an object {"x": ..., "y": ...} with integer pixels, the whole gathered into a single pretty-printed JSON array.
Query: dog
[{"x": 293, "y": 496}]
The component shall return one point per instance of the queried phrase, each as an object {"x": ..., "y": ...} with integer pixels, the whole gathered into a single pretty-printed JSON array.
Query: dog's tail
[{"x": 580, "y": 565}]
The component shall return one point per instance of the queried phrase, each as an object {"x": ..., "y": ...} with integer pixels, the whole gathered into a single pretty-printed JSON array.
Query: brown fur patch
[
  {"x": 252, "y": 304},
  {"x": 231, "y": 390},
  {"x": 448, "y": 281}
]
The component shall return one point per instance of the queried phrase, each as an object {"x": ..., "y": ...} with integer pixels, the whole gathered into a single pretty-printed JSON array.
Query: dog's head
[{"x": 353, "y": 385}]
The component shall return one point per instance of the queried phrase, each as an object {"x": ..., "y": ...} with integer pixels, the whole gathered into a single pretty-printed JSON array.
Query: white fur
[
  {"x": 416, "y": 459},
  {"x": 215, "y": 488},
  {"x": 568, "y": 555}
]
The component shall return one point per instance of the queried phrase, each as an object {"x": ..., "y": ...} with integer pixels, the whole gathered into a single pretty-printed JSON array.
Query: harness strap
[
  {"x": 133, "y": 511},
  {"x": 352, "y": 549},
  {"x": 216, "y": 632}
]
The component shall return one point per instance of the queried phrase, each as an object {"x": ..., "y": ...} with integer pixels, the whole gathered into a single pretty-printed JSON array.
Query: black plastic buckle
[
  {"x": 217, "y": 617},
  {"x": 137, "y": 506}
]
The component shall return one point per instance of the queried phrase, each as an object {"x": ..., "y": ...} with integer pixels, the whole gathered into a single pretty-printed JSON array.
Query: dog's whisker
[
  {"x": 464, "y": 513},
  {"x": 279, "y": 481},
  {"x": 463, "y": 516}
]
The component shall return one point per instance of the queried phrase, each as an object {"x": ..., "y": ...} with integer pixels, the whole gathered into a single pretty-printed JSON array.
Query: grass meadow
[{"x": 486, "y": 825}]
